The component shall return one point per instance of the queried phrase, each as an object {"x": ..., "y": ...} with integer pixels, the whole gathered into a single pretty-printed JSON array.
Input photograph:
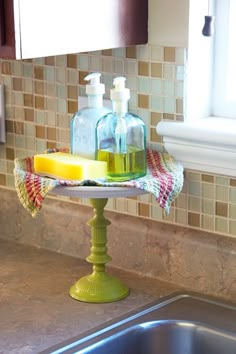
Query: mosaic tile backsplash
[{"x": 41, "y": 97}]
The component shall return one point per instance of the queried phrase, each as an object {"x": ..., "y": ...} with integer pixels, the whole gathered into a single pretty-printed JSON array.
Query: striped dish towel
[{"x": 164, "y": 179}]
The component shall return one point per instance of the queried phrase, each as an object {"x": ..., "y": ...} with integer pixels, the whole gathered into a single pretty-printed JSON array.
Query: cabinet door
[
  {"x": 7, "y": 33},
  {"x": 52, "y": 27}
]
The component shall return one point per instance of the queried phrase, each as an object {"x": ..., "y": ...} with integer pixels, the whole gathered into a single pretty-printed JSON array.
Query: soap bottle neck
[
  {"x": 95, "y": 101},
  {"x": 120, "y": 107}
]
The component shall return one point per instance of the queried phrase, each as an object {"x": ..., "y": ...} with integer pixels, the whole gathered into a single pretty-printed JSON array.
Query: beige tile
[
  {"x": 72, "y": 106},
  {"x": 143, "y": 68},
  {"x": 107, "y": 52},
  {"x": 154, "y": 137},
  {"x": 169, "y": 54},
  {"x": 40, "y": 132},
  {"x": 50, "y": 61},
  {"x": 221, "y": 209},
  {"x": 143, "y": 101},
  {"x": 2, "y": 179},
  {"x": 19, "y": 128},
  {"x": 9, "y": 126},
  {"x": 39, "y": 102},
  {"x": 168, "y": 116},
  {"x": 6, "y": 68},
  {"x": 29, "y": 114},
  {"x": 39, "y": 72},
  {"x": 232, "y": 182},
  {"x": 51, "y": 145},
  {"x": 131, "y": 52},
  {"x": 10, "y": 154},
  {"x": 143, "y": 210},
  {"x": 207, "y": 178},
  {"x": 51, "y": 133},
  {"x": 193, "y": 219},
  {"x": 156, "y": 70},
  {"x": 72, "y": 92},
  {"x": 28, "y": 100},
  {"x": 82, "y": 75},
  {"x": 72, "y": 61},
  {"x": 17, "y": 84},
  {"x": 155, "y": 118}
]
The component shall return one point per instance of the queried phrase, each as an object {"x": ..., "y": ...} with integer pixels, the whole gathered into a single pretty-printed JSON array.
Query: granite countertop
[{"x": 36, "y": 310}]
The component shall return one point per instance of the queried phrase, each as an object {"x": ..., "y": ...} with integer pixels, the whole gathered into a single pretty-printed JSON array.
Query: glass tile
[
  {"x": 194, "y": 204},
  {"x": 194, "y": 188},
  {"x": 156, "y": 86},
  {"x": 232, "y": 211},
  {"x": 168, "y": 88},
  {"x": 232, "y": 227},
  {"x": 232, "y": 194},
  {"x": 156, "y": 212},
  {"x": 221, "y": 224},
  {"x": 131, "y": 67},
  {"x": 181, "y": 216},
  {"x": 222, "y": 193},
  {"x": 169, "y": 104},
  {"x": 156, "y": 103},
  {"x": 208, "y": 206},
  {"x": 157, "y": 53},
  {"x": 208, "y": 190},
  {"x": 208, "y": 222}
]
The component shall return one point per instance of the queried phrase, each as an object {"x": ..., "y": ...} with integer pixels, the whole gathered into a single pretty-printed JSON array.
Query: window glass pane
[
  {"x": 224, "y": 73},
  {"x": 231, "y": 65}
]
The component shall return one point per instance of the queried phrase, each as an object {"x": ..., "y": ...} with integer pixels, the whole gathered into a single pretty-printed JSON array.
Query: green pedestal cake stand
[{"x": 99, "y": 286}]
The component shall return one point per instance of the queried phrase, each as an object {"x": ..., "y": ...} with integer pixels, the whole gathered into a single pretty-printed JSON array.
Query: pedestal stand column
[{"x": 98, "y": 286}]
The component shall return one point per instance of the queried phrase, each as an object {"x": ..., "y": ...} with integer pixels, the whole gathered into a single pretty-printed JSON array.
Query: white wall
[{"x": 168, "y": 22}]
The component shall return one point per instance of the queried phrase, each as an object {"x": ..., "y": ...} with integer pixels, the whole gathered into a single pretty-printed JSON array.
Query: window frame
[{"x": 202, "y": 142}]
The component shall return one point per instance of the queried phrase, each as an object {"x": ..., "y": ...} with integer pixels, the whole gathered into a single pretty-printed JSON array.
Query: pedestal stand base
[{"x": 98, "y": 287}]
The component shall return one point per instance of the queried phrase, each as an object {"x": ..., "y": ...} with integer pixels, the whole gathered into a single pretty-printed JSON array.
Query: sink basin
[{"x": 179, "y": 324}]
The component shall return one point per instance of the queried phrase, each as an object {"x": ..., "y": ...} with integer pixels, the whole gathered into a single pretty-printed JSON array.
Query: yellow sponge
[{"x": 67, "y": 166}]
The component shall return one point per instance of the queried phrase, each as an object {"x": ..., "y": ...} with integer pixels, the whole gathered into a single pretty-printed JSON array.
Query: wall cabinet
[{"x": 40, "y": 28}]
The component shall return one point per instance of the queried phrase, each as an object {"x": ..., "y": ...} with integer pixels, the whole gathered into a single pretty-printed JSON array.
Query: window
[
  {"x": 224, "y": 78},
  {"x": 206, "y": 140}
]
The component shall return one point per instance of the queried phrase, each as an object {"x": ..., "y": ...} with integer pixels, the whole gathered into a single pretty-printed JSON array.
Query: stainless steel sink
[{"x": 180, "y": 324}]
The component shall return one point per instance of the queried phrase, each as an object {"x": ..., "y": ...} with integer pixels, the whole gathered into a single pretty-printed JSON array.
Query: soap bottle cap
[
  {"x": 95, "y": 87},
  {"x": 120, "y": 92}
]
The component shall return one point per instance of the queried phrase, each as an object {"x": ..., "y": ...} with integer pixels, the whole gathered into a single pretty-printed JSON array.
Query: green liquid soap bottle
[
  {"x": 121, "y": 138},
  {"x": 83, "y": 123}
]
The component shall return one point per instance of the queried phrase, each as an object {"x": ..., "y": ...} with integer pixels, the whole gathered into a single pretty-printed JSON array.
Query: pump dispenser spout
[{"x": 95, "y": 87}]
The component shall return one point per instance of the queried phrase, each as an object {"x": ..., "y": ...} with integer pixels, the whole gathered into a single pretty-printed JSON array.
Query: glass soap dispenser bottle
[
  {"x": 121, "y": 138},
  {"x": 83, "y": 123}
]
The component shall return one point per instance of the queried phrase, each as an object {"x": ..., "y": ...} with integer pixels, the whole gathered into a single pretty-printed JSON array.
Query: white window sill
[{"x": 207, "y": 145}]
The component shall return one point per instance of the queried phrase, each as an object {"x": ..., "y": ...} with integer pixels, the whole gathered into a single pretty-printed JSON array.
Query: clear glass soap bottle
[
  {"x": 83, "y": 123},
  {"x": 121, "y": 138}
]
